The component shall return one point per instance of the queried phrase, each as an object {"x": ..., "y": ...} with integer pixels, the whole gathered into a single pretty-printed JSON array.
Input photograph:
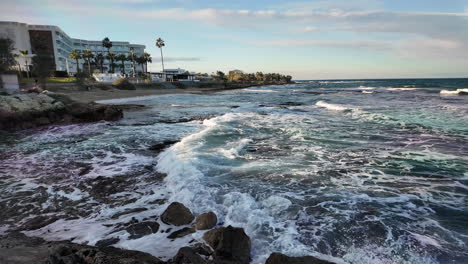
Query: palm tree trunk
[
  {"x": 123, "y": 67},
  {"x": 77, "y": 66},
  {"x": 162, "y": 59},
  {"x": 27, "y": 68},
  {"x": 89, "y": 67}
]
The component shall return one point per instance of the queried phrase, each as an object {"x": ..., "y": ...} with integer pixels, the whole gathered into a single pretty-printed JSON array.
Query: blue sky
[{"x": 323, "y": 39}]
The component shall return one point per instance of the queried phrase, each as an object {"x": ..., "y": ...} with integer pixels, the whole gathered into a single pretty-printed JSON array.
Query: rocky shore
[
  {"x": 219, "y": 245},
  {"x": 26, "y": 111}
]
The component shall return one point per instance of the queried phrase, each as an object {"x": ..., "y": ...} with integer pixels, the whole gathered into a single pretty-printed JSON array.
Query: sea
[{"x": 351, "y": 171}]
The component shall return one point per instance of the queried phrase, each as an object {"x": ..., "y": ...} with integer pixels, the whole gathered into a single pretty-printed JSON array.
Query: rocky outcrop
[
  {"x": 142, "y": 229},
  {"x": 181, "y": 233},
  {"x": 177, "y": 214},
  {"x": 277, "y": 258},
  {"x": 230, "y": 245},
  {"x": 16, "y": 248},
  {"x": 206, "y": 221},
  {"x": 158, "y": 147},
  {"x": 32, "y": 110}
]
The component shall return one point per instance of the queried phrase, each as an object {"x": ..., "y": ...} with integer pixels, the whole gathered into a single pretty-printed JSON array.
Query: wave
[
  {"x": 260, "y": 90},
  {"x": 401, "y": 89},
  {"x": 334, "y": 107},
  {"x": 455, "y": 92},
  {"x": 368, "y": 92}
]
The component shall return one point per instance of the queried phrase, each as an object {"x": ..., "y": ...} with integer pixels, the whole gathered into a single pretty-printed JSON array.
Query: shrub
[
  {"x": 179, "y": 85},
  {"x": 124, "y": 84},
  {"x": 60, "y": 74}
]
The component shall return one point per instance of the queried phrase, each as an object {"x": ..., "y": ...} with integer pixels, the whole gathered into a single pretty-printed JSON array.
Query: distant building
[
  {"x": 27, "y": 37},
  {"x": 173, "y": 75}
]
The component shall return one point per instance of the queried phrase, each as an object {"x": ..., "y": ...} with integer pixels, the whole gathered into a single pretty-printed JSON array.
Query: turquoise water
[{"x": 371, "y": 171}]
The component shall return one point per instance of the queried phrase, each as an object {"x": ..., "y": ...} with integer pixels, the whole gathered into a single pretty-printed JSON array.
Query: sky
[{"x": 322, "y": 39}]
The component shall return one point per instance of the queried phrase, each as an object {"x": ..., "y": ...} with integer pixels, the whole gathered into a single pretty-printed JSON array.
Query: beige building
[{"x": 26, "y": 37}]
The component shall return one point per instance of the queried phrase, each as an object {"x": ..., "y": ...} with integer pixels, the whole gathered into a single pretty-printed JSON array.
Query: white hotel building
[{"x": 26, "y": 36}]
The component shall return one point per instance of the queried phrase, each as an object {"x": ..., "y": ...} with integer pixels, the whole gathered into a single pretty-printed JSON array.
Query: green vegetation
[
  {"x": 52, "y": 80},
  {"x": 7, "y": 59},
  {"x": 237, "y": 76},
  {"x": 76, "y": 55},
  {"x": 124, "y": 84},
  {"x": 87, "y": 56}
]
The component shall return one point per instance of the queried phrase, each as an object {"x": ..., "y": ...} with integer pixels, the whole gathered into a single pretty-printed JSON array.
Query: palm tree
[
  {"x": 131, "y": 57},
  {"x": 88, "y": 55},
  {"x": 106, "y": 43},
  {"x": 122, "y": 58},
  {"x": 141, "y": 61},
  {"x": 147, "y": 57},
  {"x": 76, "y": 55},
  {"x": 111, "y": 56},
  {"x": 160, "y": 44},
  {"x": 24, "y": 53},
  {"x": 99, "y": 60}
]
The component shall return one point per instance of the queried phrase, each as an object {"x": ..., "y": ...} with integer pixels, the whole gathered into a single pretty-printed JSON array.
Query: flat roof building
[{"x": 27, "y": 37}]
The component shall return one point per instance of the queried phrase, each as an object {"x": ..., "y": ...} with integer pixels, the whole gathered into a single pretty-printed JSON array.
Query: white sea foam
[
  {"x": 334, "y": 107},
  {"x": 260, "y": 90},
  {"x": 368, "y": 92},
  {"x": 454, "y": 92},
  {"x": 401, "y": 89}
]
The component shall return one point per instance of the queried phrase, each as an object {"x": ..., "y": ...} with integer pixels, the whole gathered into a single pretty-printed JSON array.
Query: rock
[
  {"x": 206, "y": 221},
  {"x": 277, "y": 258},
  {"x": 94, "y": 112},
  {"x": 128, "y": 211},
  {"x": 177, "y": 214},
  {"x": 187, "y": 255},
  {"x": 80, "y": 254},
  {"x": 162, "y": 145},
  {"x": 181, "y": 233},
  {"x": 229, "y": 244},
  {"x": 39, "y": 222},
  {"x": 142, "y": 229},
  {"x": 107, "y": 242}
]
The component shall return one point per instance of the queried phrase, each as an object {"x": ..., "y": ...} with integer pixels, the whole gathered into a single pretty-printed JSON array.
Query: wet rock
[
  {"x": 277, "y": 258},
  {"x": 181, "y": 233},
  {"x": 39, "y": 222},
  {"x": 79, "y": 254},
  {"x": 94, "y": 112},
  {"x": 162, "y": 145},
  {"x": 229, "y": 244},
  {"x": 101, "y": 188},
  {"x": 292, "y": 104},
  {"x": 107, "y": 242},
  {"x": 206, "y": 221},
  {"x": 158, "y": 201},
  {"x": 142, "y": 229},
  {"x": 177, "y": 214},
  {"x": 188, "y": 255},
  {"x": 128, "y": 211}
]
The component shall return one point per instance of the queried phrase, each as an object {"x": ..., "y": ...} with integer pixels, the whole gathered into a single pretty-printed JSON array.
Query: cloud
[
  {"x": 171, "y": 59},
  {"x": 347, "y": 44}
]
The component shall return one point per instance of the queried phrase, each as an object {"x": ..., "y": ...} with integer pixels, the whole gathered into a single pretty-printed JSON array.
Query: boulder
[
  {"x": 277, "y": 258},
  {"x": 142, "y": 229},
  {"x": 181, "y": 233},
  {"x": 94, "y": 112},
  {"x": 158, "y": 147},
  {"x": 188, "y": 255},
  {"x": 206, "y": 221},
  {"x": 107, "y": 242},
  {"x": 177, "y": 214},
  {"x": 230, "y": 244}
]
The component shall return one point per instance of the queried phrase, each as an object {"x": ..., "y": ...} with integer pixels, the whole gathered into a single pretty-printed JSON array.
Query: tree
[
  {"x": 111, "y": 57},
  {"x": 131, "y": 57},
  {"x": 76, "y": 55},
  {"x": 220, "y": 76},
  {"x": 106, "y": 43},
  {"x": 147, "y": 57},
  {"x": 122, "y": 58},
  {"x": 88, "y": 55},
  {"x": 24, "y": 54},
  {"x": 99, "y": 61},
  {"x": 7, "y": 58},
  {"x": 160, "y": 44},
  {"x": 141, "y": 60}
]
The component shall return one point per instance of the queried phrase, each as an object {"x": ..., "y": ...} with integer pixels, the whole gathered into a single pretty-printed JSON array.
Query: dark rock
[
  {"x": 181, "y": 233},
  {"x": 162, "y": 145},
  {"x": 177, "y": 214},
  {"x": 107, "y": 242},
  {"x": 68, "y": 253},
  {"x": 277, "y": 258},
  {"x": 158, "y": 201},
  {"x": 292, "y": 104},
  {"x": 229, "y": 244},
  {"x": 128, "y": 211},
  {"x": 94, "y": 112},
  {"x": 188, "y": 255},
  {"x": 39, "y": 222},
  {"x": 206, "y": 221},
  {"x": 101, "y": 188},
  {"x": 142, "y": 229}
]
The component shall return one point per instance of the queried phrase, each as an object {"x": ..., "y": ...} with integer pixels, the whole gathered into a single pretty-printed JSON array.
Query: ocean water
[{"x": 358, "y": 171}]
